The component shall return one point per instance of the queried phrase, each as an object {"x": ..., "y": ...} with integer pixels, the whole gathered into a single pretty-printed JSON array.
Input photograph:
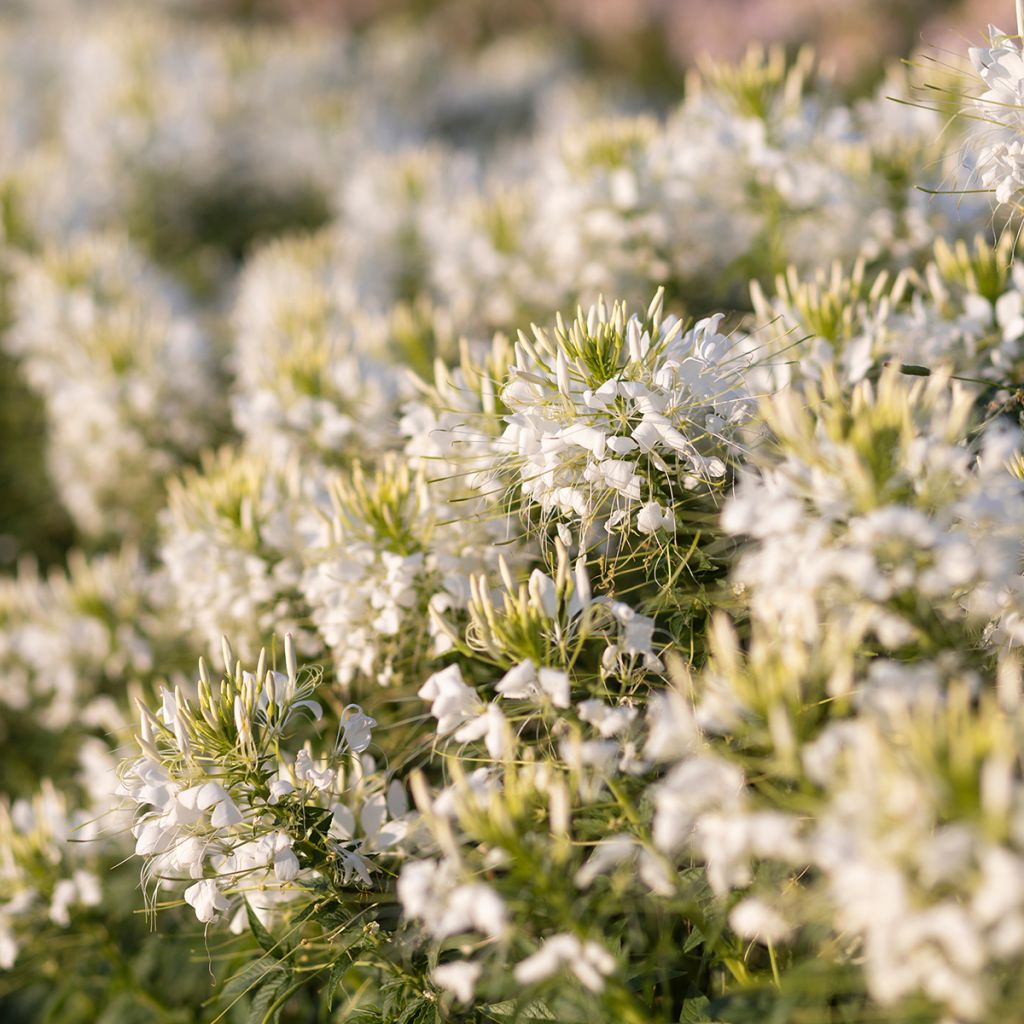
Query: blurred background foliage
[
  {"x": 643, "y": 47},
  {"x": 652, "y": 42}
]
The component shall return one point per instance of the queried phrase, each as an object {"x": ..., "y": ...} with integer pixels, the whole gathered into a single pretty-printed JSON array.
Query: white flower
[
  {"x": 588, "y": 960},
  {"x": 83, "y": 888},
  {"x": 213, "y": 795},
  {"x": 358, "y": 728},
  {"x": 607, "y": 720},
  {"x": 526, "y": 681},
  {"x": 692, "y": 787},
  {"x": 279, "y": 788},
  {"x": 452, "y": 702},
  {"x": 570, "y": 392},
  {"x": 996, "y": 138},
  {"x": 652, "y": 517},
  {"x": 431, "y": 893},
  {"x": 754, "y": 919},
  {"x": 286, "y": 864},
  {"x": 458, "y": 977},
  {"x": 306, "y": 771},
  {"x": 555, "y": 683},
  {"x": 519, "y": 682},
  {"x": 8, "y": 947},
  {"x": 206, "y": 899},
  {"x": 491, "y": 727}
]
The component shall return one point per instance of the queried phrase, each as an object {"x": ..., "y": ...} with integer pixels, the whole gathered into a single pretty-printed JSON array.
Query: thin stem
[
  {"x": 1020, "y": 19},
  {"x": 771, "y": 945}
]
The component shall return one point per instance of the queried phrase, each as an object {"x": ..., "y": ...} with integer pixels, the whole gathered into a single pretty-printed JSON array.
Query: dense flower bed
[{"x": 534, "y": 560}]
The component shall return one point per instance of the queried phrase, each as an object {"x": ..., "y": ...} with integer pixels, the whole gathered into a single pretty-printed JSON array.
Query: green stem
[
  {"x": 623, "y": 801},
  {"x": 771, "y": 948}
]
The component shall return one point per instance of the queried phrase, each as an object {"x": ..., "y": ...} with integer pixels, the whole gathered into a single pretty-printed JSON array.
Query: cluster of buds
[{"x": 552, "y": 620}]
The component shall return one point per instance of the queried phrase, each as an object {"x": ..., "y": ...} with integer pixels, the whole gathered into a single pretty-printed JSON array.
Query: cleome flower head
[
  {"x": 876, "y": 522},
  {"x": 232, "y": 538},
  {"x": 393, "y": 556},
  {"x": 46, "y": 871},
  {"x": 101, "y": 331},
  {"x": 619, "y": 417},
  {"x": 224, "y": 803},
  {"x": 997, "y": 139},
  {"x": 313, "y": 378},
  {"x": 369, "y": 573}
]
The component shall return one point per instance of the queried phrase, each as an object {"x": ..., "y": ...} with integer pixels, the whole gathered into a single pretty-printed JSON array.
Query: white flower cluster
[
  {"x": 922, "y": 879},
  {"x": 619, "y": 417},
  {"x": 878, "y": 523},
  {"x": 753, "y": 170},
  {"x": 128, "y": 378},
  {"x": 312, "y": 375},
  {"x": 695, "y": 644},
  {"x": 933, "y": 891},
  {"x": 385, "y": 566},
  {"x": 47, "y": 868},
  {"x": 881, "y": 576},
  {"x": 232, "y": 536},
  {"x": 70, "y": 642},
  {"x": 997, "y": 111},
  {"x": 961, "y": 313},
  {"x": 566, "y": 630},
  {"x": 221, "y": 804}
]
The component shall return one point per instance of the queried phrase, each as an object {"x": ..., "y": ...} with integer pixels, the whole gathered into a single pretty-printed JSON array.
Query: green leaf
[
  {"x": 693, "y": 940},
  {"x": 267, "y": 941},
  {"x": 508, "y": 1010},
  {"x": 126, "y": 1009},
  {"x": 338, "y": 969},
  {"x": 265, "y": 1008},
  {"x": 695, "y": 1011},
  {"x": 412, "y": 1011},
  {"x": 318, "y": 821},
  {"x": 249, "y": 978}
]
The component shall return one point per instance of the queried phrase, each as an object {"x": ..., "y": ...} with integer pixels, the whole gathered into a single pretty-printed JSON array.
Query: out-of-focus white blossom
[
  {"x": 233, "y": 535},
  {"x": 128, "y": 378},
  {"x": 588, "y": 960},
  {"x": 313, "y": 378}
]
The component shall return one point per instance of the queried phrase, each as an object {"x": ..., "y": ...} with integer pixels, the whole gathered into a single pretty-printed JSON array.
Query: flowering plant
[{"x": 618, "y": 517}]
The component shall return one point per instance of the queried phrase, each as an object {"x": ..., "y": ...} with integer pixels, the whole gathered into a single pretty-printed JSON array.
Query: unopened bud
[
  {"x": 289, "y": 659},
  {"x": 583, "y": 591},
  {"x": 562, "y": 374},
  {"x": 227, "y": 655},
  {"x": 558, "y": 807}
]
